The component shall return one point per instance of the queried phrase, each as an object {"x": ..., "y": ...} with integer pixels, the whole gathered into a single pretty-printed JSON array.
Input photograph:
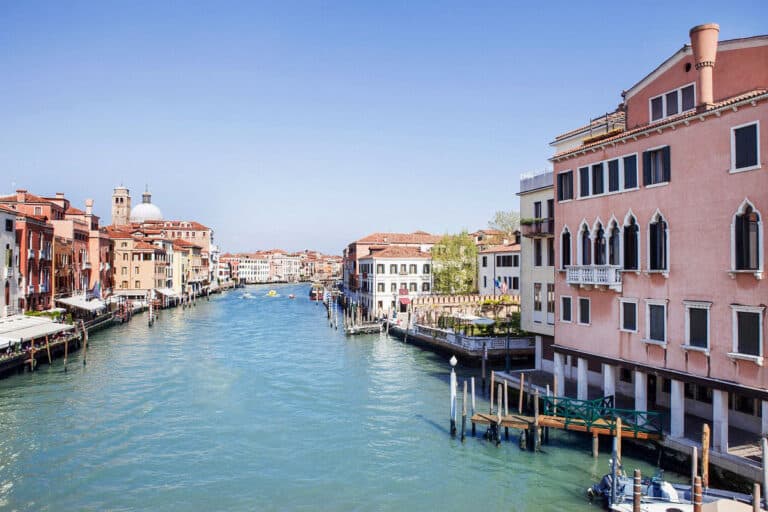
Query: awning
[
  {"x": 405, "y": 300},
  {"x": 168, "y": 292},
  {"x": 79, "y": 302},
  {"x": 14, "y": 329}
]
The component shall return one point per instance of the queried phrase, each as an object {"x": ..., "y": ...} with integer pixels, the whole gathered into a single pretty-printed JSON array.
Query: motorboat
[
  {"x": 291, "y": 296},
  {"x": 246, "y": 295},
  {"x": 271, "y": 293}
]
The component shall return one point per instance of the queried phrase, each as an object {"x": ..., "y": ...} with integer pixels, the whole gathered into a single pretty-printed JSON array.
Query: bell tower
[{"x": 121, "y": 206}]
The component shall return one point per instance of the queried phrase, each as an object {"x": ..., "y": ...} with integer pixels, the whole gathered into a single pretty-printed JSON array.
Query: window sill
[
  {"x": 664, "y": 273},
  {"x": 758, "y": 360},
  {"x": 745, "y": 169},
  {"x": 584, "y": 325},
  {"x": 662, "y": 344},
  {"x": 655, "y": 185},
  {"x": 692, "y": 348},
  {"x": 565, "y": 201},
  {"x": 757, "y": 273},
  {"x": 628, "y": 331},
  {"x": 635, "y": 271}
]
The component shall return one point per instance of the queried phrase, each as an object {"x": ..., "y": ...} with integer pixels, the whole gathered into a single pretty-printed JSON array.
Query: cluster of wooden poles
[{"x": 32, "y": 361}]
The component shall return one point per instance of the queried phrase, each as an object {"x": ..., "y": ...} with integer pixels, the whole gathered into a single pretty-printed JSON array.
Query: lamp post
[
  {"x": 506, "y": 355},
  {"x": 453, "y": 362}
]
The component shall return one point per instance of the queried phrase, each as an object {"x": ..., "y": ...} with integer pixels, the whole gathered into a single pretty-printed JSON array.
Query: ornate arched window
[
  {"x": 599, "y": 244},
  {"x": 747, "y": 239},
  {"x": 565, "y": 248},
  {"x": 658, "y": 243},
  {"x": 585, "y": 243},
  {"x": 614, "y": 244},
  {"x": 631, "y": 243}
]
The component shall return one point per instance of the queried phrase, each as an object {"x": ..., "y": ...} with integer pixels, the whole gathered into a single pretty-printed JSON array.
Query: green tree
[
  {"x": 454, "y": 260},
  {"x": 508, "y": 221}
]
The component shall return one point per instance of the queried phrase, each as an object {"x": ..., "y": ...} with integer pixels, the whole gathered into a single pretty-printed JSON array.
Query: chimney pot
[
  {"x": 704, "y": 46},
  {"x": 89, "y": 206},
  {"x": 59, "y": 195}
]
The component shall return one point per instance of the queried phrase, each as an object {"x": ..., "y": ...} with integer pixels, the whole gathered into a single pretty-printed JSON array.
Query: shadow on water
[{"x": 437, "y": 426}]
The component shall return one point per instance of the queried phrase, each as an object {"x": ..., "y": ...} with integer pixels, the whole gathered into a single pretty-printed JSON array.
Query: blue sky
[{"x": 310, "y": 124}]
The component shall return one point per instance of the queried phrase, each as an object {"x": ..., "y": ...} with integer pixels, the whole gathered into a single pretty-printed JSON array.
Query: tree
[
  {"x": 508, "y": 221},
  {"x": 454, "y": 260}
]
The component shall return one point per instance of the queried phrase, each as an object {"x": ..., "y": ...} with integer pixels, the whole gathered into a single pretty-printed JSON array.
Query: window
[
  {"x": 597, "y": 179},
  {"x": 393, "y": 269},
  {"x": 124, "y": 271},
  {"x": 380, "y": 287},
  {"x": 697, "y": 324},
  {"x": 631, "y": 244},
  {"x": 9, "y": 224},
  {"x": 551, "y": 298},
  {"x": 565, "y": 309},
  {"x": 503, "y": 261},
  {"x": 583, "y": 311},
  {"x": 599, "y": 243},
  {"x": 656, "y": 320},
  {"x": 628, "y": 313},
  {"x": 656, "y": 166},
  {"x": 425, "y": 269},
  {"x": 672, "y": 102},
  {"x": 613, "y": 176},
  {"x": 515, "y": 260},
  {"x": 403, "y": 286},
  {"x": 746, "y": 239},
  {"x": 393, "y": 287},
  {"x": 379, "y": 268},
  {"x": 425, "y": 287},
  {"x": 584, "y": 182},
  {"x": 537, "y": 252},
  {"x": 515, "y": 283},
  {"x": 614, "y": 245},
  {"x": 537, "y": 210},
  {"x": 135, "y": 270},
  {"x": 586, "y": 258},
  {"x": 403, "y": 268},
  {"x": 630, "y": 172},
  {"x": 485, "y": 281},
  {"x": 551, "y": 252},
  {"x": 748, "y": 330},
  {"x": 125, "y": 256},
  {"x": 537, "y": 296},
  {"x": 564, "y": 186},
  {"x": 412, "y": 268},
  {"x": 38, "y": 210},
  {"x": 138, "y": 284},
  {"x": 625, "y": 375},
  {"x": 565, "y": 248},
  {"x": 485, "y": 261},
  {"x": 657, "y": 243},
  {"x": 745, "y": 148},
  {"x": 413, "y": 287}
]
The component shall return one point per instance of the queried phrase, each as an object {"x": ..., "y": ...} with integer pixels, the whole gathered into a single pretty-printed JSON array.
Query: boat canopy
[
  {"x": 17, "y": 328},
  {"x": 168, "y": 292}
]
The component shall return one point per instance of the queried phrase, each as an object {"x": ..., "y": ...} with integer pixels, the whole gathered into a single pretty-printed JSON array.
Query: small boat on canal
[
  {"x": 291, "y": 296},
  {"x": 272, "y": 293},
  {"x": 317, "y": 293}
]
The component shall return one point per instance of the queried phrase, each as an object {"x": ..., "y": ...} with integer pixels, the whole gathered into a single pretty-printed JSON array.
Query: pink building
[{"x": 661, "y": 249}]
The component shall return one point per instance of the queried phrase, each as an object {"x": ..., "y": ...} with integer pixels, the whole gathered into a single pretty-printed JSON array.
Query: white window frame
[
  {"x": 665, "y": 271},
  {"x": 611, "y": 221},
  {"x": 593, "y": 238},
  {"x": 697, "y": 304},
  {"x": 561, "y": 267},
  {"x": 579, "y": 248},
  {"x": 621, "y": 172},
  {"x": 589, "y": 180},
  {"x": 571, "y": 308},
  {"x": 606, "y": 175},
  {"x": 573, "y": 187},
  {"x": 735, "y": 354},
  {"x": 760, "y": 246},
  {"x": 631, "y": 215},
  {"x": 733, "y": 169},
  {"x": 648, "y": 304},
  {"x": 622, "y": 301},
  {"x": 658, "y": 183},
  {"x": 663, "y": 97},
  {"x": 589, "y": 301}
]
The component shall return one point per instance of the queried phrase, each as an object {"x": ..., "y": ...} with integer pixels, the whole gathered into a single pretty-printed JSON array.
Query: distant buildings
[
  {"x": 10, "y": 272},
  {"x": 278, "y": 266},
  {"x": 392, "y": 276}
]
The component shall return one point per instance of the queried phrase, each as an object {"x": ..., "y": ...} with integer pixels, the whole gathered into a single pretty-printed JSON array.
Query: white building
[
  {"x": 9, "y": 267},
  {"x": 498, "y": 270},
  {"x": 537, "y": 275},
  {"x": 392, "y": 276},
  {"x": 253, "y": 268},
  {"x": 285, "y": 267}
]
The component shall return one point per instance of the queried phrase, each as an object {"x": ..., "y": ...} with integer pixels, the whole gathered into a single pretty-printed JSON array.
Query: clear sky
[{"x": 310, "y": 124}]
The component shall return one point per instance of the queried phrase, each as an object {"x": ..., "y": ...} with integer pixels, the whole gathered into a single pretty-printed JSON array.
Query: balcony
[
  {"x": 30, "y": 253},
  {"x": 599, "y": 276},
  {"x": 7, "y": 272},
  {"x": 540, "y": 228}
]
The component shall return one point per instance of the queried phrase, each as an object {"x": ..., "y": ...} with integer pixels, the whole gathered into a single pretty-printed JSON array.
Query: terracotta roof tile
[
  {"x": 501, "y": 248},
  {"x": 396, "y": 251},
  {"x": 74, "y": 211},
  {"x": 417, "y": 237}
]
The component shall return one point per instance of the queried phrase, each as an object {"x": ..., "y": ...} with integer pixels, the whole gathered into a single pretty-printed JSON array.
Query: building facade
[
  {"x": 537, "y": 247},
  {"x": 10, "y": 275},
  {"x": 498, "y": 270},
  {"x": 391, "y": 277},
  {"x": 661, "y": 247}
]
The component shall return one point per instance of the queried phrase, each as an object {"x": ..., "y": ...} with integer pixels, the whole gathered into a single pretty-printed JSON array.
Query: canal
[{"x": 256, "y": 404}]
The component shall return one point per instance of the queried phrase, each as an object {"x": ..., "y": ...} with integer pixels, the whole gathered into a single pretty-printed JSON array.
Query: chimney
[
  {"x": 89, "y": 206},
  {"x": 21, "y": 196},
  {"x": 704, "y": 46},
  {"x": 59, "y": 195}
]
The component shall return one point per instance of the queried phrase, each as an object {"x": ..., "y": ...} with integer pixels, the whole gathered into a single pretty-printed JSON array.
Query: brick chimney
[
  {"x": 21, "y": 196},
  {"x": 704, "y": 46}
]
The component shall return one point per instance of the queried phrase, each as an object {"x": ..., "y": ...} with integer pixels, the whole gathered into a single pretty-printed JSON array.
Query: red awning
[{"x": 405, "y": 300}]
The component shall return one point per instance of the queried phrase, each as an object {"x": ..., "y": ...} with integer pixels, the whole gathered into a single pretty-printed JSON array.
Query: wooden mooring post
[
  {"x": 536, "y": 431},
  {"x": 493, "y": 378},
  {"x": 697, "y": 494},
  {"x": 506, "y": 408},
  {"x": 756, "y": 497},
  {"x": 85, "y": 342},
  {"x": 473, "y": 405},
  {"x": 48, "y": 348},
  {"x": 595, "y": 444},
  {"x": 705, "y": 456},
  {"x": 464, "y": 412},
  {"x": 482, "y": 362},
  {"x": 637, "y": 491},
  {"x": 66, "y": 352},
  {"x": 453, "y": 400},
  {"x": 694, "y": 465},
  {"x": 618, "y": 440},
  {"x": 522, "y": 389}
]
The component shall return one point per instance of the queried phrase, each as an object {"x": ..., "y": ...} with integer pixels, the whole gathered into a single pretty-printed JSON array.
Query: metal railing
[
  {"x": 602, "y": 411},
  {"x": 539, "y": 228}
]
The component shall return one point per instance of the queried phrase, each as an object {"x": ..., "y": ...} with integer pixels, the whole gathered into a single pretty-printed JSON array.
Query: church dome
[{"x": 145, "y": 210}]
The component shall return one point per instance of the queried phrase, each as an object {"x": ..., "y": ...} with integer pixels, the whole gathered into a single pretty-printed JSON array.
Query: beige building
[
  {"x": 537, "y": 271},
  {"x": 139, "y": 265}
]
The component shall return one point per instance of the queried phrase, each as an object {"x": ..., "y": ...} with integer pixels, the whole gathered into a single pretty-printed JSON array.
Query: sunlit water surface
[{"x": 256, "y": 404}]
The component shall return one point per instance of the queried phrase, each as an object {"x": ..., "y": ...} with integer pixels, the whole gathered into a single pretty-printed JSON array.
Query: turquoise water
[{"x": 257, "y": 404}]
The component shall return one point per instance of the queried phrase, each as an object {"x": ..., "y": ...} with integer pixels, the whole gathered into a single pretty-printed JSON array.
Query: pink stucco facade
[{"x": 698, "y": 203}]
